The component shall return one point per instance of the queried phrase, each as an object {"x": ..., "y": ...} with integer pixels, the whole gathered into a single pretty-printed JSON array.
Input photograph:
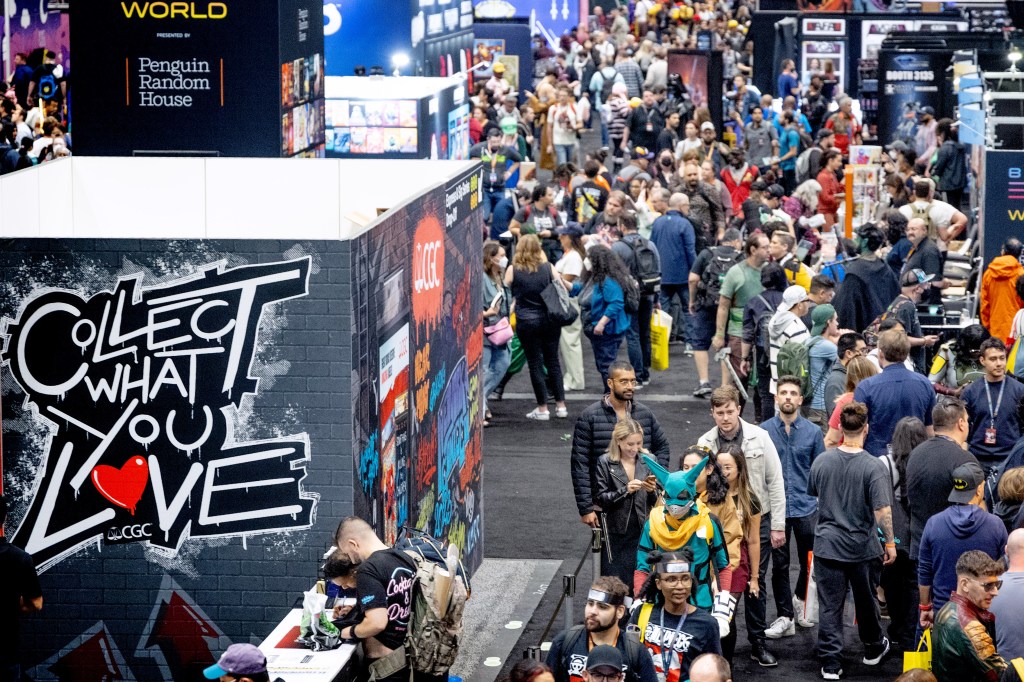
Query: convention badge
[
  {"x": 990, "y": 436},
  {"x": 494, "y": 178},
  {"x": 602, "y": 597},
  {"x": 650, "y": 127}
]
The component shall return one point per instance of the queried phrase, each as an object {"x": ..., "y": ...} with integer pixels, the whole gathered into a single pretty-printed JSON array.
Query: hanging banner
[
  {"x": 908, "y": 82},
  {"x": 1003, "y": 208}
]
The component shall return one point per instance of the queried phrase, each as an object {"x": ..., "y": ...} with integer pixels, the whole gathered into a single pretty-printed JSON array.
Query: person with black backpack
[
  {"x": 643, "y": 261},
  {"x": 757, "y": 336},
  {"x": 705, "y": 284},
  {"x": 605, "y": 608}
]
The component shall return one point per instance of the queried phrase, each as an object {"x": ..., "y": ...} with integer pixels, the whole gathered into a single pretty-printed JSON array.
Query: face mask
[
  {"x": 679, "y": 511},
  {"x": 503, "y": 263}
]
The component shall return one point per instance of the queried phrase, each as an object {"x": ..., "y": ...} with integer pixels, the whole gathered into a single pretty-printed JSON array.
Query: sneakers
[
  {"x": 494, "y": 395},
  {"x": 688, "y": 351},
  {"x": 562, "y": 412},
  {"x": 759, "y": 653},
  {"x": 798, "y": 610},
  {"x": 539, "y": 416},
  {"x": 832, "y": 671},
  {"x": 703, "y": 391},
  {"x": 874, "y": 653},
  {"x": 782, "y": 627}
]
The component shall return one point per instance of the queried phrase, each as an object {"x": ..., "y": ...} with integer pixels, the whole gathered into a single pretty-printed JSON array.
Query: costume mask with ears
[{"x": 680, "y": 487}]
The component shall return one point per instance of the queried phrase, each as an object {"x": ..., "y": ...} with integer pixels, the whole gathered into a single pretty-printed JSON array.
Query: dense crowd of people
[
  {"x": 888, "y": 451},
  {"x": 33, "y": 112}
]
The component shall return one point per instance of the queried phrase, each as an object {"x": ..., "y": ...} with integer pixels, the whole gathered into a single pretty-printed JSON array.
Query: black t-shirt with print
[
  {"x": 495, "y": 164},
  {"x": 385, "y": 581}
]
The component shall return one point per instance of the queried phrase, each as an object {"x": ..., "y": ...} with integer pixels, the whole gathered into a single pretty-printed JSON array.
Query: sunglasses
[{"x": 988, "y": 587}]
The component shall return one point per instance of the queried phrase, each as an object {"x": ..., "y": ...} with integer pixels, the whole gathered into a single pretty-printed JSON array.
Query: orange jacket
[{"x": 999, "y": 300}]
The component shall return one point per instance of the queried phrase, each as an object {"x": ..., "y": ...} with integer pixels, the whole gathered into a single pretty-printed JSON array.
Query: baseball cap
[
  {"x": 572, "y": 229},
  {"x": 499, "y": 67},
  {"x": 820, "y": 318},
  {"x": 509, "y": 125},
  {"x": 776, "y": 191},
  {"x": 707, "y": 125},
  {"x": 239, "y": 659},
  {"x": 927, "y": 110},
  {"x": 912, "y": 278},
  {"x": 605, "y": 656},
  {"x": 897, "y": 146},
  {"x": 966, "y": 479},
  {"x": 642, "y": 153},
  {"x": 792, "y": 296},
  {"x": 825, "y": 132}
]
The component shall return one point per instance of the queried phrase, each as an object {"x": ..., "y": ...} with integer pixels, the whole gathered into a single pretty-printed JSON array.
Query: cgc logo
[{"x": 119, "y": 534}]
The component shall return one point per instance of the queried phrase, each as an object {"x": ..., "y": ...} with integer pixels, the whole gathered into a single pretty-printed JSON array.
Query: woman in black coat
[{"x": 625, "y": 492}]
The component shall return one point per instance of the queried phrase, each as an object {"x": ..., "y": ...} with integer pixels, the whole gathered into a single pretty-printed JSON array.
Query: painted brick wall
[{"x": 164, "y": 613}]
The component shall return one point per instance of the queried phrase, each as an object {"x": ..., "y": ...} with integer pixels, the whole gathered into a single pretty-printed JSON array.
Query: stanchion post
[
  {"x": 569, "y": 591},
  {"x": 532, "y": 652},
  {"x": 596, "y": 542}
]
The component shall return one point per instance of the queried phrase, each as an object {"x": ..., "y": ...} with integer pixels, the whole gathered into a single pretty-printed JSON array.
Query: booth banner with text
[
  {"x": 1003, "y": 214},
  {"x": 417, "y": 322},
  {"x": 908, "y": 82},
  {"x": 225, "y": 77},
  {"x": 167, "y": 432}
]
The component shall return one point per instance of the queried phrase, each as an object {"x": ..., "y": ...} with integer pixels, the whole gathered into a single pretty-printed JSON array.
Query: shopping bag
[
  {"x": 811, "y": 598},
  {"x": 1015, "y": 359},
  {"x": 919, "y": 659},
  {"x": 661, "y": 328}
]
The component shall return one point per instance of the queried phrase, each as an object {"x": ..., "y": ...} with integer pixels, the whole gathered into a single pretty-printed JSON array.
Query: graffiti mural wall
[
  {"x": 167, "y": 426},
  {"x": 417, "y": 334}
]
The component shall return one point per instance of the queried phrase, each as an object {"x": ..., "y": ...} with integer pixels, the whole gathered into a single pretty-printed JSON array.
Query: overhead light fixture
[
  {"x": 1014, "y": 57},
  {"x": 399, "y": 60}
]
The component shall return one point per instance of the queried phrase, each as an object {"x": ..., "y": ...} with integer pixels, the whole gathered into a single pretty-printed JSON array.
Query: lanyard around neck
[{"x": 667, "y": 647}]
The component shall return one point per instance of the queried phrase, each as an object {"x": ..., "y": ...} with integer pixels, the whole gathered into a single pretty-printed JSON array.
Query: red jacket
[
  {"x": 739, "y": 191},
  {"x": 999, "y": 300}
]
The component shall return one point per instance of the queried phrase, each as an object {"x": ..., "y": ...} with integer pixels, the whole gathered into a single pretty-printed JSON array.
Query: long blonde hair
[
  {"x": 857, "y": 371},
  {"x": 623, "y": 429},
  {"x": 529, "y": 255}
]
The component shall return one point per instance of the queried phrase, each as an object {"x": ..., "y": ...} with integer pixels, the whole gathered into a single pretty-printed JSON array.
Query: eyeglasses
[
  {"x": 684, "y": 578},
  {"x": 988, "y": 587}
]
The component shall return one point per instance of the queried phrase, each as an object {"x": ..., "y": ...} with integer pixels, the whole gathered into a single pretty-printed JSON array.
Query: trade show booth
[
  {"x": 397, "y": 117},
  {"x": 202, "y": 377}
]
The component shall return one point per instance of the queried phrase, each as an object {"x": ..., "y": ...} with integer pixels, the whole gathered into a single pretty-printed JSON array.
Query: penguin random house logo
[{"x": 140, "y": 388}]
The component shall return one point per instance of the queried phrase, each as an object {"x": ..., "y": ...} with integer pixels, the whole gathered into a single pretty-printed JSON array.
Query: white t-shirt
[
  {"x": 940, "y": 213},
  {"x": 571, "y": 263},
  {"x": 686, "y": 145},
  {"x": 565, "y": 119}
]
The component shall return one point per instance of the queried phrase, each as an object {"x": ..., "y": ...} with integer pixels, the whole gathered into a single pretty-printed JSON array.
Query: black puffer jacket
[{"x": 590, "y": 440}]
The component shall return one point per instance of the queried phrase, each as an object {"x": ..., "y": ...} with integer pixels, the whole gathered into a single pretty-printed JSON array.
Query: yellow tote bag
[
  {"x": 919, "y": 659},
  {"x": 1015, "y": 359},
  {"x": 661, "y": 328}
]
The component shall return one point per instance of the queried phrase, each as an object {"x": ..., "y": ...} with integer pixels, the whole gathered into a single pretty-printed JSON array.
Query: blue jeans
[
  {"x": 681, "y": 321},
  {"x": 496, "y": 362},
  {"x": 565, "y": 153},
  {"x": 606, "y": 349},
  {"x": 638, "y": 338},
  {"x": 491, "y": 199}
]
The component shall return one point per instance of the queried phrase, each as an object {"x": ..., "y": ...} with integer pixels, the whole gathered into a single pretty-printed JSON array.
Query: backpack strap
[
  {"x": 572, "y": 638},
  {"x": 634, "y": 649},
  {"x": 644, "y": 618}
]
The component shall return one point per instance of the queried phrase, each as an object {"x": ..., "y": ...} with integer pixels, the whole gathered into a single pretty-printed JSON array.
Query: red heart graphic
[{"x": 124, "y": 486}]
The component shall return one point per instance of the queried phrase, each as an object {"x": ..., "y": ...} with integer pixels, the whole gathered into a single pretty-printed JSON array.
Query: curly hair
[
  {"x": 716, "y": 488},
  {"x": 649, "y": 591},
  {"x": 605, "y": 263}
]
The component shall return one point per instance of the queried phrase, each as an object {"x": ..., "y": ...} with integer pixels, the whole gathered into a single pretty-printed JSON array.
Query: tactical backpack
[
  {"x": 794, "y": 359},
  {"x": 432, "y": 644}
]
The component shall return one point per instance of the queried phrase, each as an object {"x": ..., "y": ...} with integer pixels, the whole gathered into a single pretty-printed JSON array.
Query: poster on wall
[
  {"x": 486, "y": 51},
  {"x": 874, "y": 31},
  {"x": 458, "y": 132},
  {"x": 823, "y": 41},
  {"x": 551, "y": 18},
  {"x": 907, "y": 82},
  {"x": 1003, "y": 209},
  {"x": 698, "y": 74}
]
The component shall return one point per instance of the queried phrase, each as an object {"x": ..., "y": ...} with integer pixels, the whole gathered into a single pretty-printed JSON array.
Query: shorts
[{"x": 703, "y": 322}]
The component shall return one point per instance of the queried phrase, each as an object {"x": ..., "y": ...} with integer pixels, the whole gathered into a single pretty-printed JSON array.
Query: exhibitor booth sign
[{"x": 228, "y": 78}]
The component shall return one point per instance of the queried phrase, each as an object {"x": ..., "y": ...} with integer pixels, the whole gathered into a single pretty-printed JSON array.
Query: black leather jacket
[{"x": 618, "y": 503}]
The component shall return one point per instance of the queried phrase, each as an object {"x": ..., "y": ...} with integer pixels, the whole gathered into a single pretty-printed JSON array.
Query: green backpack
[{"x": 794, "y": 359}]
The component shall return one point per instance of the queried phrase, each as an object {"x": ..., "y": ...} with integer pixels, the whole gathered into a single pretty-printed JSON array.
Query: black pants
[
  {"x": 764, "y": 401},
  {"x": 803, "y": 529},
  {"x": 833, "y": 579},
  {"x": 754, "y": 607},
  {"x": 539, "y": 339},
  {"x": 899, "y": 580},
  {"x": 638, "y": 339}
]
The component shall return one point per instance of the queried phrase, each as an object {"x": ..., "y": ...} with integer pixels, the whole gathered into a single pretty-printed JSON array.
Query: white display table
[{"x": 290, "y": 661}]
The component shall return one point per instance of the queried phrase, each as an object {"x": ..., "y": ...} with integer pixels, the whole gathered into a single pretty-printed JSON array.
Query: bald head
[
  {"x": 679, "y": 202},
  {"x": 710, "y": 668},
  {"x": 917, "y": 230},
  {"x": 1015, "y": 550}
]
